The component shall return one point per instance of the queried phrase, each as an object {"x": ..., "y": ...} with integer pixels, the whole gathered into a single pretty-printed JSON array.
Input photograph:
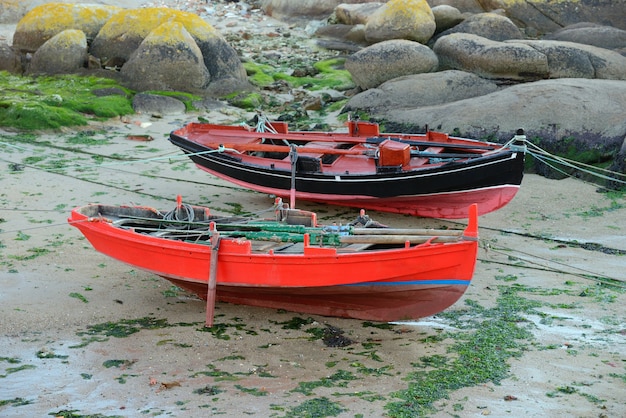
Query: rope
[
  {"x": 174, "y": 155},
  {"x": 544, "y": 156},
  {"x": 585, "y": 274},
  {"x": 182, "y": 213}
]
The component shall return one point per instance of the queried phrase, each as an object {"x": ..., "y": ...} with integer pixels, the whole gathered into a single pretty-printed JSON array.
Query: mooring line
[{"x": 509, "y": 252}]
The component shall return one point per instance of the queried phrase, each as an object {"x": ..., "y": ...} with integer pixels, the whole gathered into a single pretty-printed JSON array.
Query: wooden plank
[
  {"x": 407, "y": 231},
  {"x": 410, "y": 139},
  {"x": 284, "y": 149},
  {"x": 394, "y": 239},
  {"x": 212, "y": 285}
]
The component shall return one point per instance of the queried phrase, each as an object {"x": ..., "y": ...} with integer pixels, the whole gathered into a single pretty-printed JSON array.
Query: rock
[
  {"x": 109, "y": 91},
  {"x": 547, "y": 16},
  {"x": 527, "y": 60},
  {"x": 341, "y": 37},
  {"x": 490, "y": 59},
  {"x": 167, "y": 59},
  {"x": 157, "y": 105},
  {"x": 418, "y": 90},
  {"x": 222, "y": 61},
  {"x": 568, "y": 59},
  {"x": 122, "y": 34},
  {"x": 446, "y": 17},
  {"x": 488, "y": 25},
  {"x": 401, "y": 19},
  {"x": 302, "y": 11},
  {"x": 355, "y": 14},
  {"x": 464, "y": 6},
  {"x": 64, "y": 53},
  {"x": 9, "y": 60},
  {"x": 568, "y": 112},
  {"x": 45, "y": 21},
  {"x": 120, "y": 37},
  {"x": 383, "y": 61},
  {"x": 591, "y": 34}
]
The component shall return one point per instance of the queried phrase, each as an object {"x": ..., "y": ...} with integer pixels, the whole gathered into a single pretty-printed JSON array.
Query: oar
[
  {"x": 395, "y": 239},
  {"x": 478, "y": 145},
  {"x": 285, "y": 149},
  {"x": 406, "y": 231}
]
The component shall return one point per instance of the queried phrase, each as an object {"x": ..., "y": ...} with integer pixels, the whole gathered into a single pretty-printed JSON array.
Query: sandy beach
[{"x": 84, "y": 334}]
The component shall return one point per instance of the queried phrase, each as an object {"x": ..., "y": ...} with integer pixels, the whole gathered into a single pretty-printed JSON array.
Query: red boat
[
  {"x": 289, "y": 262},
  {"x": 430, "y": 175}
]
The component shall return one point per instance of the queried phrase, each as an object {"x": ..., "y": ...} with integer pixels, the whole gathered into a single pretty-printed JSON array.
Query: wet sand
[{"x": 55, "y": 286}]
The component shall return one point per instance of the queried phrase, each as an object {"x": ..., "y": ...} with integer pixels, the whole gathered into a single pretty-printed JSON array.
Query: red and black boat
[{"x": 430, "y": 175}]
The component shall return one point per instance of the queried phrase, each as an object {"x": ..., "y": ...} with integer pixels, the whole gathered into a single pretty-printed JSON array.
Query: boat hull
[
  {"x": 367, "y": 302},
  {"x": 434, "y": 203},
  {"x": 440, "y": 190},
  {"x": 386, "y": 285}
]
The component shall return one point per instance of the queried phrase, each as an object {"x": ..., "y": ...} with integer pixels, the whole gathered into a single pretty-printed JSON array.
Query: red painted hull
[
  {"x": 428, "y": 175},
  {"x": 444, "y": 205},
  {"x": 390, "y": 284}
]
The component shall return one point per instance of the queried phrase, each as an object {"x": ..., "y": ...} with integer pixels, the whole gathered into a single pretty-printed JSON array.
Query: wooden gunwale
[{"x": 202, "y": 136}]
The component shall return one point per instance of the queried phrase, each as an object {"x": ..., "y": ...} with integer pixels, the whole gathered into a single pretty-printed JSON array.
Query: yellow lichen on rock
[
  {"x": 169, "y": 33},
  {"x": 55, "y": 17},
  {"x": 408, "y": 9},
  {"x": 70, "y": 37},
  {"x": 141, "y": 22},
  {"x": 401, "y": 19},
  {"x": 45, "y": 21}
]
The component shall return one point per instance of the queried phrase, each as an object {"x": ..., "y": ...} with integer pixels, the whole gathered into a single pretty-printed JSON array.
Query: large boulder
[
  {"x": 383, "y": 61},
  {"x": 547, "y": 16},
  {"x": 45, "y": 21},
  {"x": 120, "y": 37},
  {"x": 401, "y": 19},
  {"x": 122, "y": 34},
  {"x": 490, "y": 59},
  {"x": 568, "y": 59},
  {"x": 428, "y": 89},
  {"x": 11, "y": 11},
  {"x": 302, "y": 11},
  {"x": 167, "y": 59},
  {"x": 591, "y": 34},
  {"x": 9, "y": 60},
  {"x": 64, "y": 53},
  {"x": 465, "y": 6},
  {"x": 355, "y": 14},
  {"x": 587, "y": 115},
  {"x": 488, "y": 25},
  {"x": 446, "y": 17},
  {"x": 527, "y": 60}
]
